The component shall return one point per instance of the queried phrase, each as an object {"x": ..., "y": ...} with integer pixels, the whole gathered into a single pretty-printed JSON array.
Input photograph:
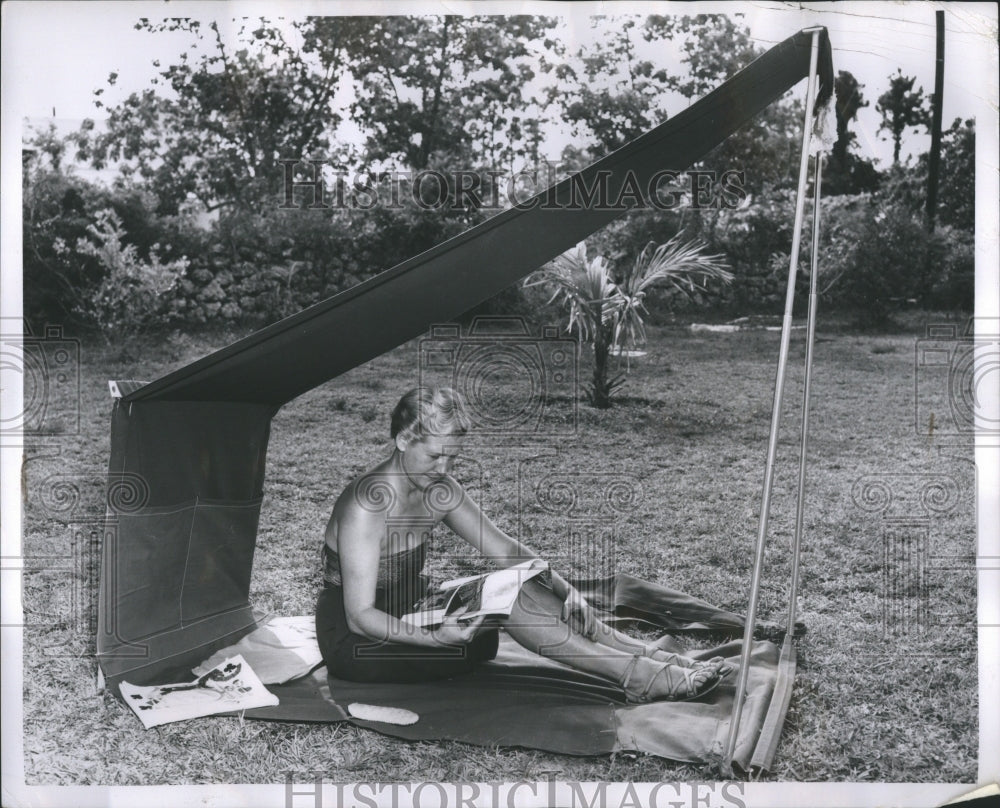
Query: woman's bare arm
[
  {"x": 468, "y": 521},
  {"x": 358, "y": 547}
]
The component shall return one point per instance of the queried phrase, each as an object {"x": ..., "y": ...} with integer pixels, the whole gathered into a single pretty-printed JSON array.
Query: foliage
[
  {"x": 957, "y": 184},
  {"x": 957, "y": 188},
  {"x": 716, "y": 47},
  {"x": 613, "y": 96},
  {"x": 849, "y": 99},
  {"x": 58, "y": 210},
  {"x": 953, "y": 261},
  {"x": 883, "y": 264},
  {"x": 226, "y": 118},
  {"x": 55, "y": 213},
  {"x": 586, "y": 287},
  {"x": 437, "y": 93},
  {"x": 607, "y": 313},
  {"x": 682, "y": 267},
  {"x": 901, "y": 106},
  {"x": 757, "y": 241},
  {"x": 846, "y": 172},
  {"x": 130, "y": 295},
  {"x": 449, "y": 84}
]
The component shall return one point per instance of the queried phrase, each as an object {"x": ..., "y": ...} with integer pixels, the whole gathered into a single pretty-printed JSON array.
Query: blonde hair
[{"x": 429, "y": 411}]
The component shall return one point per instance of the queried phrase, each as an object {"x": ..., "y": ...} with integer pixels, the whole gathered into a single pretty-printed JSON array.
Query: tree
[
  {"x": 216, "y": 124},
  {"x": 448, "y": 84},
  {"x": 56, "y": 210},
  {"x": 901, "y": 106},
  {"x": 957, "y": 192},
  {"x": 716, "y": 47},
  {"x": 607, "y": 313},
  {"x": 846, "y": 173},
  {"x": 849, "y": 99},
  {"x": 613, "y": 96}
]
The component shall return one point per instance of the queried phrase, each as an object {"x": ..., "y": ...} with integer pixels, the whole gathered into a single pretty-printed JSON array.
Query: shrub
[
  {"x": 56, "y": 211},
  {"x": 131, "y": 293},
  {"x": 879, "y": 265},
  {"x": 953, "y": 257}
]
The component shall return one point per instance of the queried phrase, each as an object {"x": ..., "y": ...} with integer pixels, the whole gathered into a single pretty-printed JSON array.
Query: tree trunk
[
  {"x": 933, "y": 164},
  {"x": 934, "y": 160},
  {"x": 601, "y": 395}
]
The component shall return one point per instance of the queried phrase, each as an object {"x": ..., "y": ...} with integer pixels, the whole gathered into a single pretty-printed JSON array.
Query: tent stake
[
  {"x": 810, "y": 340},
  {"x": 772, "y": 446}
]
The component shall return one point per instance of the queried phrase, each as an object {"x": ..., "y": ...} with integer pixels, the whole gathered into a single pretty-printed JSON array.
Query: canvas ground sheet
[{"x": 521, "y": 699}]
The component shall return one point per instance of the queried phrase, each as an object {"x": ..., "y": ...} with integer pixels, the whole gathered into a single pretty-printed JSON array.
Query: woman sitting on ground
[{"x": 374, "y": 553}]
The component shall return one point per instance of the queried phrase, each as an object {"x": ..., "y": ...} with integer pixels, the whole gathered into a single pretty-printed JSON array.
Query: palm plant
[
  {"x": 608, "y": 315},
  {"x": 680, "y": 265}
]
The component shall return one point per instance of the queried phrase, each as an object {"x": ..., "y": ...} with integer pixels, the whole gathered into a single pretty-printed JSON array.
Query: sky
[{"x": 56, "y": 53}]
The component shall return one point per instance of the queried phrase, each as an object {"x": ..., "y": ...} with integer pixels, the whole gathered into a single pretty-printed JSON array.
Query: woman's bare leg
[
  {"x": 535, "y": 624},
  {"x": 612, "y": 638}
]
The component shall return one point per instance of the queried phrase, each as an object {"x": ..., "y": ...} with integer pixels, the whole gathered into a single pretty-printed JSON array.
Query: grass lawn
[{"x": 886, "y": 689}]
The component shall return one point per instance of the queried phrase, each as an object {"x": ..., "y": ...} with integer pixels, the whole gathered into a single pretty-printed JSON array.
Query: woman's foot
[
  {"x": 717, "y": 664},
  {"x": 646, "y": 680}
]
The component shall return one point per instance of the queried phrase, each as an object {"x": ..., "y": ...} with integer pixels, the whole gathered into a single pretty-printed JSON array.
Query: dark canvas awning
[{"x": 177, "y": 557}]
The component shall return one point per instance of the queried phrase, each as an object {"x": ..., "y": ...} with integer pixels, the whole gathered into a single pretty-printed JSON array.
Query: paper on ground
[{"x": 231, "y": 685}]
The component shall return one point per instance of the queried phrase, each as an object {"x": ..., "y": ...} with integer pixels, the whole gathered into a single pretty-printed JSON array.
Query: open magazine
[
  {"x": 491, "y": 594},
  {"x": 231, "y": 685}
]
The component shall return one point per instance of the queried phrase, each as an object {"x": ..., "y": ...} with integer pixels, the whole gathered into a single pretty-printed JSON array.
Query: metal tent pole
[
  {"x": 772, "y": 446},
  {"x": 810, "y": 340},
  {"x": 770, "y": 732}
]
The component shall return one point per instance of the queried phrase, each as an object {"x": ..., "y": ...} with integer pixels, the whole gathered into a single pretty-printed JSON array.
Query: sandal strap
[
  {"x": 629, "y": 670},
  {"x": 649, "y": 684},
  {"x": 641, "y": 695}
]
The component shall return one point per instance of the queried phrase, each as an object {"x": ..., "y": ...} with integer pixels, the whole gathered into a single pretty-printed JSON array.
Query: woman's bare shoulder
[{"x": 361, "y": 507}]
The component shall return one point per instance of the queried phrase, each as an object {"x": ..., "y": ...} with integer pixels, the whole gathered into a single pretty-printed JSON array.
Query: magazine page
[
  {"x": 498, "y": 590},
  {"x": 430, "y": 611},
  {"x": 537, "y": 564},
  {"x": 491, "y": 593},
  {"x": 230, "y": 685}
]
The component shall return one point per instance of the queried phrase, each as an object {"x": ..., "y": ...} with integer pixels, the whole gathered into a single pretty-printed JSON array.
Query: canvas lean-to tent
[{"x": 188, "y": 450}]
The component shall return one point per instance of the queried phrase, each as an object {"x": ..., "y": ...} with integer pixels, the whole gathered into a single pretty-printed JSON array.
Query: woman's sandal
[
  {"x": 669, "y": 682},
  {"x": 659, "y": 655}
]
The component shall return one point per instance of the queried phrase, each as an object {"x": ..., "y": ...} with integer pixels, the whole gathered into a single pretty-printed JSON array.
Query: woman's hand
[
  {"x": 577, "y": 612},
  {"x": 455, "y": 631}
]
